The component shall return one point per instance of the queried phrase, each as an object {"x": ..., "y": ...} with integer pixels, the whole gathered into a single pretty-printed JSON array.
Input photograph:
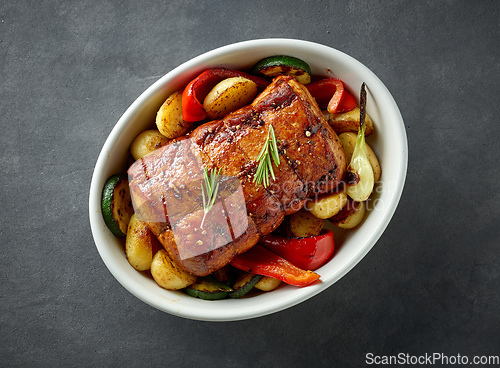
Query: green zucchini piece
[
  {"x": 208, "y": 289},
  {"x": 244, "y": 284},
  {"x": 282, "y": 64},
  {"x": 116, "y": 204}
]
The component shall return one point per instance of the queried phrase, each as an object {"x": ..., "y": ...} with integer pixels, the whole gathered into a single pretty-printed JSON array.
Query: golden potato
[
  {"x": 303, "y": 224},
  {"x": 169, "y": 119},
  {"x": 228, "y": 96},
  {"x": 168, "y": 274},
  {"x": 348, "y": 140},
  {"x": 147, "y": 142},
  {"x": 267, "y": 284},
  {"x": 140, "y": 244},
  {"x": 351, "y": 215},
  {"x": 328, "y": 205},
  {"x": 348, "y": 121}
]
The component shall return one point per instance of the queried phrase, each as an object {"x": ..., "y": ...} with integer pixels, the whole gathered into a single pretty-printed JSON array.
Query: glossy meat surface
[{"x": 166, "y": 185}]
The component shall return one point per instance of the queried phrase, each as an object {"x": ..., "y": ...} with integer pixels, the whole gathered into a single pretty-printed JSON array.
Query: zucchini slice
[
  {"x": 208, "y": 289},
  {"x": 244, "y": 284},
  {"x": 273, "y": 66},
  {"x": 116, "y": 204}
]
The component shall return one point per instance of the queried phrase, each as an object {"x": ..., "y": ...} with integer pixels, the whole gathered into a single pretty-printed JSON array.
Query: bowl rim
[{"x": 200, "y": 310}]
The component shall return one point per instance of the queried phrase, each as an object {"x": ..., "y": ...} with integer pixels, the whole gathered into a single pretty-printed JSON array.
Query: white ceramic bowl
[{"x": 389, "y": 143}]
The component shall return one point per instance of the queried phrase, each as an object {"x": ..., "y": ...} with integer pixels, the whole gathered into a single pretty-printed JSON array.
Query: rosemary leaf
[
  {"x": 269, "y": 151},
  {"x": 274, "y": 150},
  {"x": 212, "y": 187}
]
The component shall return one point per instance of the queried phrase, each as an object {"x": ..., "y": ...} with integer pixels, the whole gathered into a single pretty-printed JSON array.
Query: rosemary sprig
[
  {"x": 209, "y": 190},
  {"x": 265, "y": 168}
]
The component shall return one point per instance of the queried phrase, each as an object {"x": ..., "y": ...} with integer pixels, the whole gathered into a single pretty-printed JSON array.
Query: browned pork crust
[{"x": 166, "y": 185}]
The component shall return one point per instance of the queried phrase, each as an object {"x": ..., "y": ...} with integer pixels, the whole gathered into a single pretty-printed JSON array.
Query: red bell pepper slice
[
  {"x": 308, "y": 253},
  {"x": 331, "y": 94},
  {"x": 261, "y": 261},
  {"x": 196, "y": 91}
]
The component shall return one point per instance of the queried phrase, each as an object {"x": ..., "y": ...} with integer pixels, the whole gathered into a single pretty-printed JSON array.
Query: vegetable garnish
[
  {"x": 196, "y": 91},
  {"x": 360, "y": 168},
  {"x": 362, "y": 106},
  {"x": 116, "y": 204},
  {"x": 331, "y": 94},
  {"x": 308, "y": 253},
  {"x": 212, "y": 187},
  {"x": 273, "y": 66},
  {"x": 270, "y": 149},
  {"x": 263, "y": 262}
]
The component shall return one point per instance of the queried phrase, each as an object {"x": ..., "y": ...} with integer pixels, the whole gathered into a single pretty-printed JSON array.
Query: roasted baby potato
[
  {"x": 348, "y": 121},
  {"x": 147, "y": 142},
  {"x": 348, "y": 140},
  {"x": 169, "y": 119},
  {"x": 351, "y": 215},
  {"x": 303, "y": 224},
  {"x": 140, "y": 244},
  {"x": 328, "y": 205},
  {"x": 267, "y": 284},
  {"x": 168, "y": 274},
  {"x": 228, "y": 96}
]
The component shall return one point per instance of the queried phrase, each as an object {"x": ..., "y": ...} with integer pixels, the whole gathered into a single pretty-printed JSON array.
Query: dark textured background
[{"x": 69, "y": 69}]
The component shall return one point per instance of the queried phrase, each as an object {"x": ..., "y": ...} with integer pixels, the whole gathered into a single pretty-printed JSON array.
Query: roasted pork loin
[{"x": 166, "y": 185}]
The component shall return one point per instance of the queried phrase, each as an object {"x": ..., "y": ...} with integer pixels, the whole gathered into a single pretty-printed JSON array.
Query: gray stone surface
[{"x": 69, "y": 69}]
